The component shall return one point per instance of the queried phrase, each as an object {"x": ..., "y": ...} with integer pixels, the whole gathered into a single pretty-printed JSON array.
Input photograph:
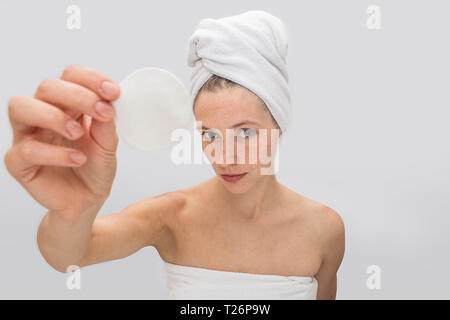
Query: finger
[
  {"x": 93, "y": 80},
  {"x": 104, "y": 133},
  {"x": 26, "y": 114},
  {"x": 31, "y": 153},
  {"x": 74, "y": 97}
]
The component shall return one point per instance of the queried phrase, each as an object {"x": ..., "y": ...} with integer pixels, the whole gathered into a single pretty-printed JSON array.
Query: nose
[{"x": 233, "y": 149}]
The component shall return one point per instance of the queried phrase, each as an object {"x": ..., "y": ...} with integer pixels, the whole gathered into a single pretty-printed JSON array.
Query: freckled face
[{"x": 244, "y": 115}]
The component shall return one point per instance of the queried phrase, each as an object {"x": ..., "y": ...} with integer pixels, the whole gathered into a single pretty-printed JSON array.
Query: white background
[{"x": 369, "y": 136}]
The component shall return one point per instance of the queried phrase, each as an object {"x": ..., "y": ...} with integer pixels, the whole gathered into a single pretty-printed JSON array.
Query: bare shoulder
[
  {"x": 174, "y": 208},
  {"x": 168, "y": 205},
  {"x": 173, "y": 200},
  {"x": 177, "y": 205},
  {"x": 152, "y": 216},
  {"x": 160, "y": 205},
  {"x": 326, "y": 224},
  {"x": 329, "y": 232},
  {"x": 331, "y": 229}
]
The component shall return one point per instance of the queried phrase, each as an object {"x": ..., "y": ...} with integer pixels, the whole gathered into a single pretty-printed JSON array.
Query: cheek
[
  {"x": 267, "y": 148},
  {"x": 213, "y": 151},
  {"x": 208, "y": 150}
]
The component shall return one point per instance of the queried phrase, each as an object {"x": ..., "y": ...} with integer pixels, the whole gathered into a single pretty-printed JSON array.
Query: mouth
[{"x": 233, "y": 177}]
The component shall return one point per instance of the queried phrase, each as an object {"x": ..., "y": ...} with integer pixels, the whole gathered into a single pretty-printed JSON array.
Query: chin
[{"x": 235, "y": 189}]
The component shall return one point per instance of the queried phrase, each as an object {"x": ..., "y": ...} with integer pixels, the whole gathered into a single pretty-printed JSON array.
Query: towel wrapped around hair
[{"x": 249, "y": 49}]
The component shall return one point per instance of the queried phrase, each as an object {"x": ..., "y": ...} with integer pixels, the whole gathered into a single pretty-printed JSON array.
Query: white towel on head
[{"x": 249, "y": 49}]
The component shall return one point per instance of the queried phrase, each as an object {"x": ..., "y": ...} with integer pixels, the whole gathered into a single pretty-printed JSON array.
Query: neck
[{"x": 251, "y": 205}]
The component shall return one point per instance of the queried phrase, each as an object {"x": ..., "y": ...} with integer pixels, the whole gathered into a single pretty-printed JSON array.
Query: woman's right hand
[{"x": 64, "y": 151}]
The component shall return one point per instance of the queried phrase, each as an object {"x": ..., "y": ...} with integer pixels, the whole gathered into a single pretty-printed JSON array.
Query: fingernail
[
  {"x": 77, "y": 157},
  {"x": 104, "y": 109},
  {"x": 108, "y": 88},
  {"x": 74, "y": 128}
]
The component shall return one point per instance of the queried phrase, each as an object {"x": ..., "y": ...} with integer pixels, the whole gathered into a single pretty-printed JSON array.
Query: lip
[{"x": 233, "y": 178}]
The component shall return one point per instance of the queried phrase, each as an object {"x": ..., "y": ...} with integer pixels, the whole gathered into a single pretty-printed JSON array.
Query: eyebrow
[{"x": 238, "y": 124}]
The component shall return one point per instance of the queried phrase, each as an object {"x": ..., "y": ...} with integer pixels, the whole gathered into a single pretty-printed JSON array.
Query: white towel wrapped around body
[
  {"x": 193, "y": 283},
  {"x": 249, "y": 49}
]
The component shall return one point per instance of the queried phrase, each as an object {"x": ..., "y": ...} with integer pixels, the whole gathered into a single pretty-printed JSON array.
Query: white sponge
[{"x": 152, "y": 104}]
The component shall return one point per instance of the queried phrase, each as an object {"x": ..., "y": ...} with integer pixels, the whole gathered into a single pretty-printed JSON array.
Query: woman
[{"x": 240, "y": 234}]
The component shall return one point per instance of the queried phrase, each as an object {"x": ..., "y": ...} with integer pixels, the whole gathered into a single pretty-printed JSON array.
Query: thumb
[{"x": 104, "y": 133}]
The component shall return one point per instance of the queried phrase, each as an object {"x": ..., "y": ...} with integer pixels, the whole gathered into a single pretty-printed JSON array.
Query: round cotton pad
[{"x": 152, "y": 104}]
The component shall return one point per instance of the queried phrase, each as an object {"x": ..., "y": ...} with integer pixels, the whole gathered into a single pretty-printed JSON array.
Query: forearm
[{"x": 64, "y": 241}]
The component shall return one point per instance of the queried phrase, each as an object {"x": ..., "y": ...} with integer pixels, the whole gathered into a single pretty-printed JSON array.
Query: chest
[{"x": 278, "y": 247}]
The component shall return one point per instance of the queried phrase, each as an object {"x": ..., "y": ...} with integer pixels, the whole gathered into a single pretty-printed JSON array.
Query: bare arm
[
  {"x": 333, "y": 237},
  {"x": 64, "y": 154},
  {"x": 110, "y": 237}
]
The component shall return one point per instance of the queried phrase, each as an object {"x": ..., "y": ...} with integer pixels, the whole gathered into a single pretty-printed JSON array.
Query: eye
[
  {"x": 245, "y": 132},
  {"x": 209, "y": 134}
]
